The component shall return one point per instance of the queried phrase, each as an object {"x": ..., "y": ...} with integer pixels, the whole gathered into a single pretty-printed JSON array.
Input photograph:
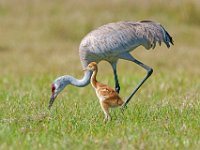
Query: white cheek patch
[{"x": 56, "y": 86}]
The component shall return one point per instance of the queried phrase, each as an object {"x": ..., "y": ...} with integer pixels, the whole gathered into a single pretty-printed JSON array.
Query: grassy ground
[{"x": 39, "y": 41}]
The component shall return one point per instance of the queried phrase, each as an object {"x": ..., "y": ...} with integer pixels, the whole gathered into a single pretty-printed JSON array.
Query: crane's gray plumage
[{"x": 111, "y": 42}]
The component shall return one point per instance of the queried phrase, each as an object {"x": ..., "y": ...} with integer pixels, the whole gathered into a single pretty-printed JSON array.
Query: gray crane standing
[{"x": 112, "y": 42}]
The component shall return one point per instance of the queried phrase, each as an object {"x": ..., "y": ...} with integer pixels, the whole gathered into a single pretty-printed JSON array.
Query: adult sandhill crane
[
  {"x": 112, "y": 42},
  {"x": 108, "y": 97}
]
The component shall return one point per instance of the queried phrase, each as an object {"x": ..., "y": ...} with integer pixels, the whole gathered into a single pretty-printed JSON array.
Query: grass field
[{"x": 39, "y": 41}]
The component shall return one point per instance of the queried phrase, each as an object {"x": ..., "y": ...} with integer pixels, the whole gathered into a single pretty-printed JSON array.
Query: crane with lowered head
[{"x": 112, "y": 42}]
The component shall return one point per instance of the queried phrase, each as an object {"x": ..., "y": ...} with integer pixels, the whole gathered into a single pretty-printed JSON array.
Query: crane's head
[
  {"x": 92, "y": 66},
  {"x": 56, "y": 87}
]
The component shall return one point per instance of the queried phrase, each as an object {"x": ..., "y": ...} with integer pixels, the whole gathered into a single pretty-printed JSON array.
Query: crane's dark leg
[
  {"x": 114, "y": 66},
  {"x": 147, "y": 68}
]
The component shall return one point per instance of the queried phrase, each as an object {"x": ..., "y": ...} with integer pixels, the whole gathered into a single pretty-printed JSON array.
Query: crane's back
[{"x": 110, "y": 40}]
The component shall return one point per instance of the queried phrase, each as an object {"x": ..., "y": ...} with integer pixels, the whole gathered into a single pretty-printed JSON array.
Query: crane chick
[{"x": 108, "y": 97}]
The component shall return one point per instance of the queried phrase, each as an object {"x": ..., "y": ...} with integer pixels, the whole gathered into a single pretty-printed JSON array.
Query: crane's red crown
[{"x": 53, "y": 88}]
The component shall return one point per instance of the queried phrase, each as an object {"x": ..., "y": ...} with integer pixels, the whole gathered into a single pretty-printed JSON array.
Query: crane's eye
[{"x": 53, "y": 88}]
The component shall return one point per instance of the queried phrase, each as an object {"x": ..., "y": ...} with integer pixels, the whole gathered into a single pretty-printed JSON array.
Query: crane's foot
[{"x": 123, "y": 108}]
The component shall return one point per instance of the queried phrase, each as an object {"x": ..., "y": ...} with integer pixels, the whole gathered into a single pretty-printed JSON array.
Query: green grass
[
  {"x": 39, "y": 42},
  {"x": 161, "y": 118}
]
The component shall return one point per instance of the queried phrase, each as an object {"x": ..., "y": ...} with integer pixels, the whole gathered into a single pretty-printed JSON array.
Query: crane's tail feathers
[
  {"x": 152, "y": 33},
  {"x": 168, "y": 39}
]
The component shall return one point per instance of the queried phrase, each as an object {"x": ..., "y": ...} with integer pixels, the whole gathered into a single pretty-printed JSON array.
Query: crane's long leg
[
  {"x": 117, "y": 86},
  {"x": 149, "y": 70}
]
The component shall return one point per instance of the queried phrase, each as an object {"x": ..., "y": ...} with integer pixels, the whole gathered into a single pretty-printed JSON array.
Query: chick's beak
[{"x": 85, "y": 69}]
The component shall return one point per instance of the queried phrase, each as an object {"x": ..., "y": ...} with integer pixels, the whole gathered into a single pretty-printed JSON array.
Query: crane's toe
[{"x": 123, "y": 107}]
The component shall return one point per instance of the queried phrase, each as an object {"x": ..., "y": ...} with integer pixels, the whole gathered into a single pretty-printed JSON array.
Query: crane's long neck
[
  {"x": 81, "y": 82},
  {"x": 66, "y": 79},
  {"x": 93, "y": 79}
]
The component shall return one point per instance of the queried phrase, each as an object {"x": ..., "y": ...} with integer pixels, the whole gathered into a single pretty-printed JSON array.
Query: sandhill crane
[
  {"x": 107, "y": 96},
  {"x": 112, "y": 42}
]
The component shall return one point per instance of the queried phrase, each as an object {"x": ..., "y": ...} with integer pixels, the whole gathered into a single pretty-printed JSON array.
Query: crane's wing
[{"x": 127, "y": 35}]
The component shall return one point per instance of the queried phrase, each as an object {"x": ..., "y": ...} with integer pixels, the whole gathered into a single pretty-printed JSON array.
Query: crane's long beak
[{"x": 53, "y": 97}]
